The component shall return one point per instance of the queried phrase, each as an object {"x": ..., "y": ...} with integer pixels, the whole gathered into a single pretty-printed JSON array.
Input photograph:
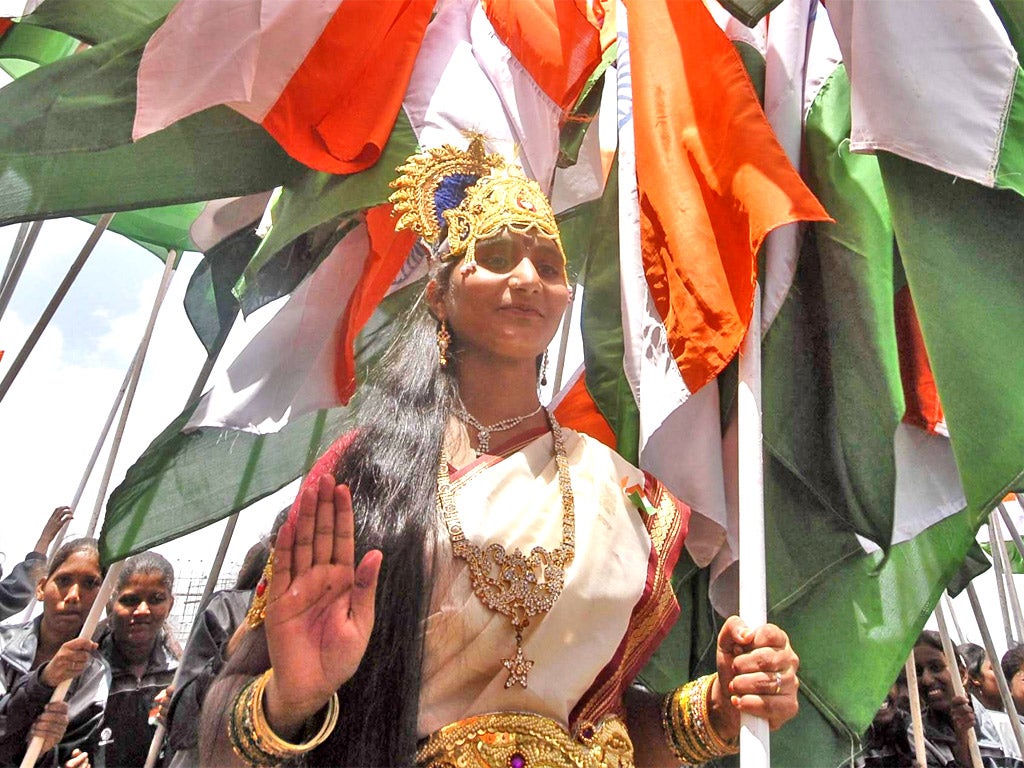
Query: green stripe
[
  {"x": 66, "y": 148},
  {"x": 961, "y": 249},
  {"x": 1010, "y": 171},
  {"x": 182, "y": 483}
]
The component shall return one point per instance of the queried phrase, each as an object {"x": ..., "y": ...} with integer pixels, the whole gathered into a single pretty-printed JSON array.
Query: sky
[{"x": 52, "y": 416}]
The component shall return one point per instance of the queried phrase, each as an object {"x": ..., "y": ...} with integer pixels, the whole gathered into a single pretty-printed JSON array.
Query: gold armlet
[
  {"x": 687, "y": 723},
  {"x": 251, "y": 736}
]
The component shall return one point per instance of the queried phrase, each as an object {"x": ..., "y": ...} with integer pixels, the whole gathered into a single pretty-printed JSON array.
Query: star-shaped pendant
[{"x": 517, "y": 668}]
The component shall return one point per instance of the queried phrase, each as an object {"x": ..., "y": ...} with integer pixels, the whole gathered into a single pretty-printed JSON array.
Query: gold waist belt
[{"x": 526, "y": 740}]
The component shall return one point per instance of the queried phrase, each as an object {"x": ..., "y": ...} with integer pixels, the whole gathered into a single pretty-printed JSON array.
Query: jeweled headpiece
[{"x": 472, "y": 194}]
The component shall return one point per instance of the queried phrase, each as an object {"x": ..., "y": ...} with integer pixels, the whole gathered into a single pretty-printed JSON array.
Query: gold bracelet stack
[
  {"x": 688, "y": 729},
  {"x": 251, "y": 736}
]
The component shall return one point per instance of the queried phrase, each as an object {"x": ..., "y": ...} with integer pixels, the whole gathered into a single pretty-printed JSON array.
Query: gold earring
[{"x": 443, "y": 340}]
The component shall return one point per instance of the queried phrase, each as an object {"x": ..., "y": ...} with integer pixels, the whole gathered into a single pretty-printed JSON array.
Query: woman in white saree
[{"x": 462, "y": 581}]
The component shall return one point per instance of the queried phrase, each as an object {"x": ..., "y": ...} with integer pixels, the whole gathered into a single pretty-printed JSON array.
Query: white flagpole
[
  {"x": 55, "y": 302},
  {"x": 915, "y": 710},
  {"x": 755, "y": 751},
  {"x": 16, "y": 265},
  {"x": 165, "y": 283},
  {"x": 990, "y": 649},
  {"x": 958, "y": 684},
  {"x": 35, "y": 747},
  {"x": 1011, "y": 587}
]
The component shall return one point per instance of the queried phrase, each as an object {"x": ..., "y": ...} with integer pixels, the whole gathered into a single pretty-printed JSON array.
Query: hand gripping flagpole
[
  {"x": 754, "y": 734},
  {"x": 35, "y": 747}
]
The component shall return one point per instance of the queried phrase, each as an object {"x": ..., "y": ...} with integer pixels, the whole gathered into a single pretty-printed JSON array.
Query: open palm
[{"x": 320, "y": 606}]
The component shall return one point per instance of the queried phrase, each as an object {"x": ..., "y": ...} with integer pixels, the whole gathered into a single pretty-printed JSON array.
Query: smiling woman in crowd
[{"x": 142, "y": 655}]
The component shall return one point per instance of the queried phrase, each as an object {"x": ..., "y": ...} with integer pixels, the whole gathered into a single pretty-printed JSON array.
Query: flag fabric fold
[
  {"x": 742, "y": 190},
  {"x": 324, "y": 79}
]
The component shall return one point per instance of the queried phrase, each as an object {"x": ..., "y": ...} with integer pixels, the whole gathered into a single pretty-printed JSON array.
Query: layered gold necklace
[{"x": 511, "y": 583}]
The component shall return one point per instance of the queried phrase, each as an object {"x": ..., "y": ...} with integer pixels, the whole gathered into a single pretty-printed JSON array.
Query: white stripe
[
  {"x": 466, "y": 80},
  {"x": 237, "y": 52},
  {"x": 931, "y": 81},
  {"x": 287, "y": 368},
  {"x": 680, "y": 436}
]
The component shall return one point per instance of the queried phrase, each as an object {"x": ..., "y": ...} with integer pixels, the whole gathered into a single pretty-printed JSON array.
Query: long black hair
[{"x": 391, "y": 469}]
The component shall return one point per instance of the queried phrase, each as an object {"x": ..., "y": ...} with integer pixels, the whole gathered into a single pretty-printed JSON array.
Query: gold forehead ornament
[{"x": 469, "y": 195}]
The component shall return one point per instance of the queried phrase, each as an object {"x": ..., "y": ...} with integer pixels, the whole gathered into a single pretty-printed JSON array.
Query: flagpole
[
  {"x": 958, "y": 683},
  {"x": 952, "y": 615},
  {"x": 19, "y": 240},
  {"x": 35, "y": 747},
  {"x": 990, "y": 649},
  {"x": 55, "y": 302},
  {"x": 997, "y": 565},
  {"x": 89, "y": 467},
  {"x": 754, "y": 734},
  {"x": 157, "y": 742},
  {"x": 16, "y": 265},
  {"x": 1012, "y": 529},
  {"x": 1011, "y": 587},
  {"x": 136, "y": 374},
  {"x": 910, "y": 668},
  {"x": 563, "y": 343}
]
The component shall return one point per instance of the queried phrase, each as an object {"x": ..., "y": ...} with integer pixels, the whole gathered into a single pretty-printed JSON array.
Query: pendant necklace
[
  {"x": 484, "y": 432},
  {"x": 513, "y": 584}
]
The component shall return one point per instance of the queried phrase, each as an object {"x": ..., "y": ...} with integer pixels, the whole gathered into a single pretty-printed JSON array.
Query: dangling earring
[
  {"x": 544, "y": 369},
  {"x": 443, "y": 340}
]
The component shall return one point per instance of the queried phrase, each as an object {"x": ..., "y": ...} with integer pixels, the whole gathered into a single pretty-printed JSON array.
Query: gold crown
[{"x": 477, "y": 193}]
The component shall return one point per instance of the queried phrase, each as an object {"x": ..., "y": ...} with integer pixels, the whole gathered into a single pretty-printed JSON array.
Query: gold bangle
[
  {"x": 255, "y": 741},
  {"x": 687, "y": 723}
]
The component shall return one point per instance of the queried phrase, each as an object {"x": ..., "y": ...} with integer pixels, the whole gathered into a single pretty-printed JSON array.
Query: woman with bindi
[
  {"x": 37, "y": 656},
  {"x": 462, "y": 580}
]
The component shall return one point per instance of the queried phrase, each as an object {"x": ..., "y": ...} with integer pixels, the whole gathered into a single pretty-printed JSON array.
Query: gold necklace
[{"x": 511, "y": 583}]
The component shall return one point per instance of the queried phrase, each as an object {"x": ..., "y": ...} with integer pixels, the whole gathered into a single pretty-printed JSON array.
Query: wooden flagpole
[
  {"x": 165, "y": 282},
  {"x": 990, "y": 649},
  {"x": 997, "y": 566},
  {"x": 958, "y": 684},
  {"x": 55, "y": 302},
  {"x": 915, "y": 710},
  {"x": 16, "y": 265},
  {"x": 35, "y": 747},
  {"x": 999, "y": 545}
]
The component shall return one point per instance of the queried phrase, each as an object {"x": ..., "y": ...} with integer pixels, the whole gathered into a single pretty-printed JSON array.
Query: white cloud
[{"x": 52, "y": 417}]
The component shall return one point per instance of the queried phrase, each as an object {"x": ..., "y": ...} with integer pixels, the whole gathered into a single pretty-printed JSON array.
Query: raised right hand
[
  {"x": 320, "y": 607},
  {"x": 68, "y": 662},
  {"x": 58, "y": 518}
]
